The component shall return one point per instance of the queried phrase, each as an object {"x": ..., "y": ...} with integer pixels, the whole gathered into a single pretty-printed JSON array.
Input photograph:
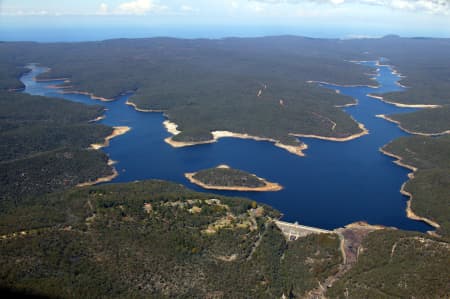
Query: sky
[{"x": 218, "y": 18}]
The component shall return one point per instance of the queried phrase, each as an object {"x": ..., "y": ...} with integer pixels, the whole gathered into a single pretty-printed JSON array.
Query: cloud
[
  {"x": 139, "y": 7},
  {"x": 188, "y": 8},
  {"x": 257, "y": 7},
  {"x": 234, "y": 4},
  {"x": 131, "y": 7},
  {"x": 103, "y": 9},
  {"x": 28, "y": 13},
  {"x": 429, "y": 6}
]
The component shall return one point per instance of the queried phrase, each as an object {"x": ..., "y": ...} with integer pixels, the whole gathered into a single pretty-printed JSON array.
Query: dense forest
[
  {"x": 156, "y": 239},
  {"x": 44, "y": 145},
  {"x": 397, "y": 264}
]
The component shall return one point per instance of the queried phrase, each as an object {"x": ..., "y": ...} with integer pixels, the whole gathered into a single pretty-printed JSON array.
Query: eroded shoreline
[
  {"x": 409, "y": 212},
  {"x": 402, "y": 105},
  {"x": 395, "y": 72},
  {"x": 385, "y": 117},
  {"x": 140, "y": 109},
  {"x": 172, "y": 128},
  {"x": 341, "y": 85},
  {"x": 117, "y": 131},
  {"x": 104, "y": 179},
  {"x": 363, "y": 132},
  {"x": 89, "y": 94}
]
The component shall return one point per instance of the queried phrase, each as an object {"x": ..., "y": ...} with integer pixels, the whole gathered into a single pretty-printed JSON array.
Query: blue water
[
  {"x": 79, "y": 29},
  {"x": 82, "y": 34},
  {"x": 335, "y": 184}
]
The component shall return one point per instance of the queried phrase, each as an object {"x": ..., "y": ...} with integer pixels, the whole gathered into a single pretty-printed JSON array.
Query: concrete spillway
[{"x": 293, "y": 231}]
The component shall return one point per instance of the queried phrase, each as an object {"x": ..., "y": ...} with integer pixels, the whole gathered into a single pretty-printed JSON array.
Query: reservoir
[{"x": 335, "y": 184}]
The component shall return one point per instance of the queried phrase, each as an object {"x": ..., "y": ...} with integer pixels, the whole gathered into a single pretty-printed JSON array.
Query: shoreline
[
  {"x": 89, "y": 94},
  {"x": 356, "y": 103},
  {"x": 269, "y": 187},
  {"x": 99, "y": 118},
  {"x": 363, "y": 225},
  {"x": 17, "y": 89},
  {"x": 395, "y": 72},
  {"x": 399, "y": 162},
  {"x": 294, "y": 149},
  {"x": 117, "y": 131},
  {"x": 178, "y": 144},
  {"x": 104, "y": 179},
  {"x": 401, "y": 85},
  {"x": 402, "y": 105},
  {"x": 337, "y": 139},
  {"x": 409, "y": 212},
  {"x": 140, "y": 109},
  {"x": 51, "y": 79},
  {"x": 334, "y": 84},
  {"x": 62, "y": 87},
  {"x": 172, "y": 128},
  {"x": 62, "y": 90},
  {"x": 59, "y": 86},
  {"x": 385, "y": 117}
]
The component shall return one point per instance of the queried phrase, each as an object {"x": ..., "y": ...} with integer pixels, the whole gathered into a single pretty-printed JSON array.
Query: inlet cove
[{"x": 335, "y": 183}]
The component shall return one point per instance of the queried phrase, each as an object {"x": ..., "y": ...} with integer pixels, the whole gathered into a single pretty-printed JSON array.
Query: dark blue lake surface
[{"x": 335, "y": 184}]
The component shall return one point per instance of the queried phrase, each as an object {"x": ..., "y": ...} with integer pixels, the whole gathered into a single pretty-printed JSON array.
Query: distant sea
[{"x": 86, "y": 33}]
